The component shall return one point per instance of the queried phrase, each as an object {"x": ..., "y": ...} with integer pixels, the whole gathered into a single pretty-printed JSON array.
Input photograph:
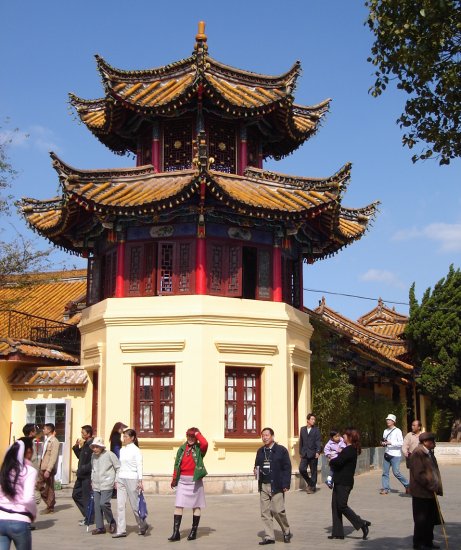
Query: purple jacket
[{"x": 332, "y": 449}]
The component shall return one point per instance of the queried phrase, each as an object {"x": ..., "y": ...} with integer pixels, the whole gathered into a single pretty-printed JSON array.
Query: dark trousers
[
  {"x": 102, "y": 508},
  {"x": 339, "y": 508},
  {"x": 81, "y": 494},
  {"x": 425, "y": 516},
  {"x": 46, "y": 488},
  {"x": 312, "y": 463}
]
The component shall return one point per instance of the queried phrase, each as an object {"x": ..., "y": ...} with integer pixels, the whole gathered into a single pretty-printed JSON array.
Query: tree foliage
[
  {"x": 434, "y": 330},
  {"x": 418, "y": 44},
  {"x": 19, "y": 259}
]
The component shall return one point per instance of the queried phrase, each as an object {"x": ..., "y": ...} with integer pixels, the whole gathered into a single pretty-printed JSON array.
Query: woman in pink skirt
[{"x": 188, "y": 475}]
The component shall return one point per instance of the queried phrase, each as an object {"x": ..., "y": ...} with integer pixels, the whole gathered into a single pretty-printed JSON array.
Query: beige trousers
[
  {"x": 272, "y": 506},
  {"x": 127, "y": 489}
]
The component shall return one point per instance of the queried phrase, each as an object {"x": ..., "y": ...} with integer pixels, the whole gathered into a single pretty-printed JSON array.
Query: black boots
[
  {"x": 193, "y": 531},
  {"x": 176, "y": 525}
]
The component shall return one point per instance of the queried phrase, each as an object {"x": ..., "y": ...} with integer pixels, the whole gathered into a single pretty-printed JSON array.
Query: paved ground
[{"x": 233, "y": 522}]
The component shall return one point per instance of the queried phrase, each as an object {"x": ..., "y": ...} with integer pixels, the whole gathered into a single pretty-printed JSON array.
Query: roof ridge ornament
[{"x": 201, "y": 36}]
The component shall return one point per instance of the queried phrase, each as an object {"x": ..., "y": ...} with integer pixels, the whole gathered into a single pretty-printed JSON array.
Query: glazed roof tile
[
  {"x": 28, "y": 348},
  {"x": 386, "y": 346},
  {"x": 48, "y": 376},
  {"x": 46, "y": 297}
]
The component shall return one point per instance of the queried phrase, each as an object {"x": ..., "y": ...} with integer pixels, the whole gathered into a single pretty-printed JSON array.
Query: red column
[
  {"x": 200, "y": 266},
  {"x": 120, "y": 276},
  {"x": 277, "y": 274},
  {"x": 156, "y": 147}
]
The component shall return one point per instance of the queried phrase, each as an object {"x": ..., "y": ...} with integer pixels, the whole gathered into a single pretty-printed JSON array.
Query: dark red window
[
  {"x": 224, "y": 268},
  {"x": 140, "y": 269},
  {"x": 242, "y": 402},
  {"x": 222, "y": 145},
  {"x": 109, "y": 271},
  {"x": 175, "y": 268},
  {"x": 154, "y": 403},
  {"x": 177, "y": 145}
]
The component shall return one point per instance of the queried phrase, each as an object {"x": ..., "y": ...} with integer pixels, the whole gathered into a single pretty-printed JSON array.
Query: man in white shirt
[{"x": 392, "y": 443}]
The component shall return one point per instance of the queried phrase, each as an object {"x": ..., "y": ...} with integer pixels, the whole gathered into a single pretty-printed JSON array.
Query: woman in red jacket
[{"x": 188, "y": 475}]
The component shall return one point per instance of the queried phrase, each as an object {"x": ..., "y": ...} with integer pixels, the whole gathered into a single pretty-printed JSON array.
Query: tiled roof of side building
[
  {"x": 48, "y": 376},
  {"x": 29, "y": 349},
  {"x": 389, "y": 347},
  {"x": 46, "y": 297}
]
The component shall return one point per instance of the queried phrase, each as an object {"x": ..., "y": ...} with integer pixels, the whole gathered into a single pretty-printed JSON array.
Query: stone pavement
[{"x": 233, "y": 521}]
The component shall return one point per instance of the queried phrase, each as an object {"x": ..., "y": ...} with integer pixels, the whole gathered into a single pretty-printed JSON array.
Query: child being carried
[{"x": 334, "y": 446}]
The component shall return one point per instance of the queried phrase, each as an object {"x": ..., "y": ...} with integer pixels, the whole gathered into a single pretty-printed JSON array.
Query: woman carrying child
[{"x": 332, "y": 449}]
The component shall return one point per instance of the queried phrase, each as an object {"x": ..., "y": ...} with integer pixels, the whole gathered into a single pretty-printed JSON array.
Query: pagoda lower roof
[
  {"x": 162, "y": 91},
  {"x": 91, "y": 196}
]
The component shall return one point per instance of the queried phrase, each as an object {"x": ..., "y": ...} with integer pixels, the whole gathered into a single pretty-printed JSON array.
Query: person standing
[
  {"x": 82, "y": 488},
  {"x": 392, "y": 442},
  {"x": 310, "y": 445},
  {"x": 115, "y": 438},
  {"x": 273, "y": 472},
  {"x": 17, "y": 500},
  {"x": 411, "y": 440},
  {"x": 343, "y": 467},
  {"x": 188, "y": 475},
  {"x": 104, "y": 468},
  {"x": 30, "y": 431},
  {"x": 425, "y": 484},
  {"x": 48, "y": 467},
  {"x": 129, "y": 483}
]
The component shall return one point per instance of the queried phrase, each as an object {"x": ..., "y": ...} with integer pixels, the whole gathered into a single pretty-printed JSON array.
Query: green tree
[
  {"x": 434, "y": 330},
  {"x": 418, "y": 44}
]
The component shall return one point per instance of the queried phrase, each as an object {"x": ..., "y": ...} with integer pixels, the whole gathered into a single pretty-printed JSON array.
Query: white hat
[
  {"x": 391, "y": 417},
  {"x": 98, "y": 442}
]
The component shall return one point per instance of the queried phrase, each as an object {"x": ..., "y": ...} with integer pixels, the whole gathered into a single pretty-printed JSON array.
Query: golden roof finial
[{"x": 201, "y": 36}]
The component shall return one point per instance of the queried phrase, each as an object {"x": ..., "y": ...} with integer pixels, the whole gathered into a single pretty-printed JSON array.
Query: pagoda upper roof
[
  {"x": 166, "y": 90},
  {"x": 311, "y": 207},
  {"x": 386, "y": 347}
]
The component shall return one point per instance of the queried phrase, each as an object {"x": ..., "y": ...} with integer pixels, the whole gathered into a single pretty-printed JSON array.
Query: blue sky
[{"x": 47, "y": 50}]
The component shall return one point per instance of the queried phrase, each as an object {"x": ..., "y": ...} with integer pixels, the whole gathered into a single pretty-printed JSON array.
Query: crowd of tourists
[{"x": 27, "y": 476}]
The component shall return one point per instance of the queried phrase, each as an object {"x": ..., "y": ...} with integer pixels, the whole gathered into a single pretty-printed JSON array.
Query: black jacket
[
  {"x": 343, "y": 466},
  {"x": 309, "y": 443},
  {"x": 280, "y": 468},
  {"x": 84, "y": 455}
]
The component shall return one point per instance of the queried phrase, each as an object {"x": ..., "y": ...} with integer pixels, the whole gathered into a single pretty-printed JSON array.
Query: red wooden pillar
[
  {"x": 260, "y": 156},
  {"x": 120, "y": 274},
  {"x": 277, "y": 274},
  {"x": 156, "y": 147},
  {"x": 200, "y": 266},
  {"x": 243, "y": 152}
]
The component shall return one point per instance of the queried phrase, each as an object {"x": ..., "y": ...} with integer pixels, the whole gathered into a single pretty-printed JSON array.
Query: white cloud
[
  {"x": 447, "y": 235},
  {"x": 382, "y": 276},
  {"x": 35, "y": 137}
]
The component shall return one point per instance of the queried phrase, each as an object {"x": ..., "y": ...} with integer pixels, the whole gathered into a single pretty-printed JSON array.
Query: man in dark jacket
[
  {"x": 310, "y": 445},
  {"x": 425, "y": 484},
  {"x": 82, "y": 488},
  {"x": 273, "y": 472}
]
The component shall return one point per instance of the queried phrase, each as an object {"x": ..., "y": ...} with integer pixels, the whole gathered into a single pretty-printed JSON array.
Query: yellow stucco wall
[
  {"x": 6, "y": 368},
  {"x": 200, "y": 336}
]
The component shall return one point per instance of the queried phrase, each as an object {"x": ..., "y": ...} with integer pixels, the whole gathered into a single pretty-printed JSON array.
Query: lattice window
[
  {"x": 184, "y": 275},
  {"x": 234, "y": 280},
  {"x": 222, "y": 145},
  {"x": 216, "y": 269},
  {"x": 135, "y": 273},
  {"x": 109, "y": 273},
  {"x": 242, "y": 402},
  {"x": 149, "y": 270},
  {"x": 264, "y": 274},
  {"x": 177, "y": 145},
  {"x": 166, "y": 268},
  {"x": 154, "y": 404},
  {"x": 94, "y": 281}
]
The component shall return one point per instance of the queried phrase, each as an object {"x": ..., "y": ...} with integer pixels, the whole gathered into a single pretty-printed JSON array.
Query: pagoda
[{"x": 195, "y": 255}]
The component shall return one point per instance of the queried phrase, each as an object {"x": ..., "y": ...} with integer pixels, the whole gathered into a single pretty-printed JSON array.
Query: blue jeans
[
  {"x": 16, "y": 531},
  {"x": 395, "y": 463}
]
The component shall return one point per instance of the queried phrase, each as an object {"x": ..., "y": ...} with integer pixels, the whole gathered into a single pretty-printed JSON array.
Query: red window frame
[
  {"x": 182, "y": 277},
  {"x": 147, "y": 269},
  {"x": 240, "y": 383},
  {"x": 109, "y": 272},
  {"x": 152, "y": 400}
]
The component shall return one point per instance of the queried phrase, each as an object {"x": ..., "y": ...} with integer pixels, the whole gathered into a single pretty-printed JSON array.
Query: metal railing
[{"x": 23, "y": 326}]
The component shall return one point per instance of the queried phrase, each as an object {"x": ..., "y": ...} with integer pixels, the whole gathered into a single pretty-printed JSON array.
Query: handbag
[{"x": 142, "y": 506}]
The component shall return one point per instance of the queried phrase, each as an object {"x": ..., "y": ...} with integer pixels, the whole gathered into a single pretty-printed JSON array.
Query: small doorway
[{"x": 249, "y": 272}]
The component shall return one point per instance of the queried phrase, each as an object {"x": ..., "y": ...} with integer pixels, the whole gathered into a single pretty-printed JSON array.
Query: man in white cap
[{"x": 392, "y": 443}]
